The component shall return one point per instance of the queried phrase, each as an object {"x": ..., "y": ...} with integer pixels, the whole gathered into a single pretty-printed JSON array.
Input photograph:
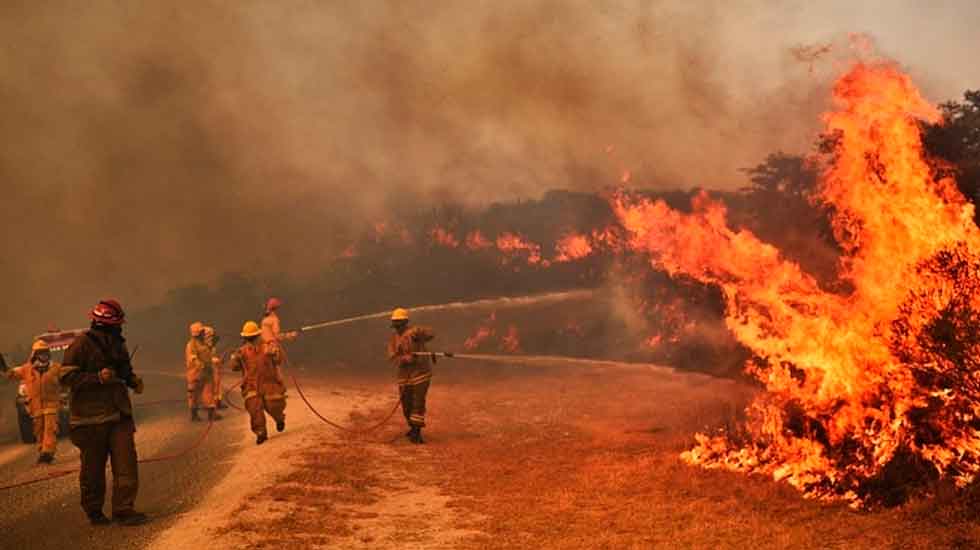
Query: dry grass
[{"x": 571, "y": 458}]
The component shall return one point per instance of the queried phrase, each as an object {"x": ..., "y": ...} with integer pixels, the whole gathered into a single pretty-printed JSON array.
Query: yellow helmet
[
  {"x": 400, "y": 314},
  {"x": 250, "y": 329},
  {"x": 37, "y": 347},
  {"x": 197, "y": 328}
]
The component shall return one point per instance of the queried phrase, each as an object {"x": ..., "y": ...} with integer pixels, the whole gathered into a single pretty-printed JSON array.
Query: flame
[
  {"x": 443, "y": 237},
  {"x": 483, "y": 333},
  {"x": 406, "y": 236},
  {"x": 380, "y": 230},
  {"x": 858, "y": 384},
  {"x": 511, "y": 342},
  {"x": 572, "y": 247},
  {"x": 514, "y": 245},
  {"x": 476, "y": 241}
]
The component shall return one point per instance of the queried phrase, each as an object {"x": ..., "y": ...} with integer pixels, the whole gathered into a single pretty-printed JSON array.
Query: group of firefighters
[{"x": 98, "y": 374}]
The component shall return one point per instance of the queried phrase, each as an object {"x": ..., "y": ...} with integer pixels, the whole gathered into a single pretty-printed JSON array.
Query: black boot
[
  {"x": 45, "y": 458},
  {"x": 98, "y": 518},
  {"x": 194, "y": 416},
  {"x": 213, "y": 415},
  {"x": 418, "y": 436},
  {"x": 221, "y": 405},
  {"x": 260, "y": 438},
  {"x": 280, "y": 425}
]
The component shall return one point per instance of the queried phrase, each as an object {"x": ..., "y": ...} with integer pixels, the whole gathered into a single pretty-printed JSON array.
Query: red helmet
[
  {"x": 108, "y": 312},
  {"x": 273, "y": 303}
]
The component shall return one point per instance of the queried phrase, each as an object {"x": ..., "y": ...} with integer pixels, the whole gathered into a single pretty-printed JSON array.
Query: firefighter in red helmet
[{"x": 99, "y": 375}]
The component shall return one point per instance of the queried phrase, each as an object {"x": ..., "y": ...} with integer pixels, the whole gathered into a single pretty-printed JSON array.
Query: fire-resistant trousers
[
  {"x": 114, "y": 441},
  {"x": 46, "y": 432},
  {"x": 257, "y": 406},
  {"x": 413, "y": 402}
]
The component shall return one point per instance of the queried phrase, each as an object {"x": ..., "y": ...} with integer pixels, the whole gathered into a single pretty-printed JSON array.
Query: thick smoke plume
[{"x": 151, "y": 145}]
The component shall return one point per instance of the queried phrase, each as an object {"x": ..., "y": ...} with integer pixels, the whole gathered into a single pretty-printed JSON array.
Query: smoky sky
[{"x": 151, "y": 145}]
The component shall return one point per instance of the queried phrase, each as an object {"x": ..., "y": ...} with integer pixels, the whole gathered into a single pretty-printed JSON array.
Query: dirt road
[{"x": 517, "y": 456}]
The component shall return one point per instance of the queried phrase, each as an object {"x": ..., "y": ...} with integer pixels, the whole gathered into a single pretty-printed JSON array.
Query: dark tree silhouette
[{"x": 956, "y": 140}]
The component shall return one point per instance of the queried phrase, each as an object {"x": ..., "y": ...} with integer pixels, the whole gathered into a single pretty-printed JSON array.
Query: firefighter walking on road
[
  {"x": 41, "y": 379},
  {"x": 414, "y": 370},
  {"x": 262, "y": 387},
  {"x": 98, "y": 372},
  {"x": 199, "y": 361}
]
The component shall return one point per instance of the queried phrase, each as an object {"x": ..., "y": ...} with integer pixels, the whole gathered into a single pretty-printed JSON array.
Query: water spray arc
[{"x": 550, "y": 297}]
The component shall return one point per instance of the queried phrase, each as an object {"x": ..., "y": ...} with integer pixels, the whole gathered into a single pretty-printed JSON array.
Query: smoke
[{"x": 150, "y": 145}]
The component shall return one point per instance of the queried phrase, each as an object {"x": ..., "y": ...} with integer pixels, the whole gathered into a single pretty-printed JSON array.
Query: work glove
[{"x": 137, "y": 384}]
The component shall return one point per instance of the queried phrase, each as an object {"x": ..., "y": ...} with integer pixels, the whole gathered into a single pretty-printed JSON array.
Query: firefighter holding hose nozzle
[{"x": 405, "y": 351}]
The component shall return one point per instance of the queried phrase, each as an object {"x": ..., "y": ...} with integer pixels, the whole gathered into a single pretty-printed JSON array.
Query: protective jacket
[
  {"x": 199, "y": 362},
  {"x": 412, "y": 369},
  {"x": 43, "y": 387},
  {"x": 92, "y": 401},
  {"x": 260, "y": 377}
]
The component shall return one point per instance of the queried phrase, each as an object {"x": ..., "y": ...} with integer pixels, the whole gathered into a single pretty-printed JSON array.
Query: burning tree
[{"x": 871, "y": 391}]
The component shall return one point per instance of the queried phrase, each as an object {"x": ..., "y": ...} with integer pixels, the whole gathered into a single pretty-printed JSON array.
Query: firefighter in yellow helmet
[
  {"x": 199, "y": 364},
  {"x": 40, "y": 377},
  {"x": 262, "y": 388},
  {"x": 211, "y": 340},
  {"x": 414, "y": 370}
]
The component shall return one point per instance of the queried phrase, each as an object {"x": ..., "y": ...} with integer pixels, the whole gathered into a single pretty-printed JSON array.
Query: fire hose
[
  {"x": 326, "y": 420},
  {"x": 163, "y": 458},
  {"x": 373, "y": 427},
  {"x": 332, "y": 424}
]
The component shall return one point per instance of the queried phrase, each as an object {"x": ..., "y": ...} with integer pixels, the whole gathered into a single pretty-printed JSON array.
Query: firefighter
[
  {"x": 414, "y": 370},
  {"x": 199, "y": 362},
  {"x": 211, "y": 339},
  {"x": 262, "y": 387},
  {"x": 273, "y": 335},
  {"x": 97, "y": 371},
  {"x": 40, "y": 378},
  {"x": 271, "y": 326}
]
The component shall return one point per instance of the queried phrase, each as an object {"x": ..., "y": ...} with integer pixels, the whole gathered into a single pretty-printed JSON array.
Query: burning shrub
[{"x": 872, "y": 391}]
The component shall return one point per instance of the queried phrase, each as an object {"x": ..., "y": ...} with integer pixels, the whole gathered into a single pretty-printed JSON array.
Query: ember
[{"x": 869, "y": 393}]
